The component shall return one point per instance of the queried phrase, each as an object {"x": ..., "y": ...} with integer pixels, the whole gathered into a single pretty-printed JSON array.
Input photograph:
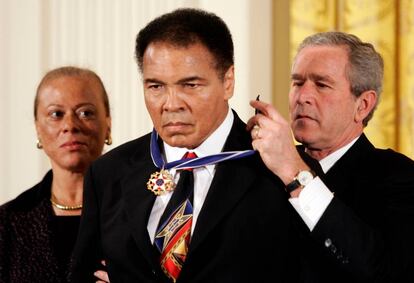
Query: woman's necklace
[{"x": 65, "y": 207}]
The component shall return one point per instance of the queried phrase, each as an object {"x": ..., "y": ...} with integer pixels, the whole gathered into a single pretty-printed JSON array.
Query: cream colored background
[{"x": 38, "y": 35}]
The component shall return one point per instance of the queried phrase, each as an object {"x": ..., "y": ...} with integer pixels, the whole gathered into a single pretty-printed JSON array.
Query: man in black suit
[
  {"x": 239, "y": 230},
  {"x": 355, "y": 221}
]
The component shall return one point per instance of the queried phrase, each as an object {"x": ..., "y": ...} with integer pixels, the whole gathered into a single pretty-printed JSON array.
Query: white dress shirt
[
  {"x": 315, "y": 197},
  {"x": 202, "y": 176}
]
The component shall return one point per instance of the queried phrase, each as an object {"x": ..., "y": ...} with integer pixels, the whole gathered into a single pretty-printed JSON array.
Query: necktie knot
[{"x": 189, "y": 155}]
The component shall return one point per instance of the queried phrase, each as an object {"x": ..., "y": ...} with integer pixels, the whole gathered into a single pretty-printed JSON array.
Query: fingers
[
  {"x": 255, "y": 132},
  {"x": 102, "y": 276},
  {"x": 252, "y": 122},
  {"x": 260, "y": 106},
  {"x": 267, "y": 111}
]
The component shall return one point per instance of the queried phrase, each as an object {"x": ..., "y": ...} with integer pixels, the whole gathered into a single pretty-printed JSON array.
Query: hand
[
  {"x": 102, "y": 275},
  {"x": 272, "y": 138}
]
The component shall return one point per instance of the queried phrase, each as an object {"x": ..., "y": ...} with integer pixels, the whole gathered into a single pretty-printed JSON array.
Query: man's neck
[
  {"x": 328, "y": 161},
  {"x": 320, "y": 154}
]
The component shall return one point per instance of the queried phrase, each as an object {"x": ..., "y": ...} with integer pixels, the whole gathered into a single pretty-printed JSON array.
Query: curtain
[{"x": 389, "y": 26}]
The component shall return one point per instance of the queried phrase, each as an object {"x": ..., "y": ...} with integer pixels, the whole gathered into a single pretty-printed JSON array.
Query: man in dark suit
[
  {"x": 239, "y": 230},
  {"x": 355, "y": 221}
]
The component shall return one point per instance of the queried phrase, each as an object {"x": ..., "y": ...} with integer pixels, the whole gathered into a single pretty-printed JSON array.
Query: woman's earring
[
  {"x": 108, "y": 140},
  {"x": 39, "y": 144}
]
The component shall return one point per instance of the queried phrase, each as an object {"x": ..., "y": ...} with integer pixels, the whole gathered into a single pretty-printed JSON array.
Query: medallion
[{"x": 161, "y": 182}]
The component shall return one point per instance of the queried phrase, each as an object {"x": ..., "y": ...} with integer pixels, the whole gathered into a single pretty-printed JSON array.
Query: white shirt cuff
[{"x": 312, "y": 202}]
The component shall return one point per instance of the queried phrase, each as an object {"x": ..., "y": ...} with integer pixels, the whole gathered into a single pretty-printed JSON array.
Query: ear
[
  {"x": 365, "y": 103},
  {"x": 228, "y": 82},
  {"x": 37, "y": 130},
  {"x": 109, "y": 125}
]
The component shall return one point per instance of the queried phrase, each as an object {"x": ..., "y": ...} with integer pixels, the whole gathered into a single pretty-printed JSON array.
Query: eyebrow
[
  {"x": 76, "y": 106},
  {"x": 313, "y": 77},
  {"x": 155, "y": 81},
  {"x": 296, "y": 77},
  {"x": 190, "y": 79},
  {"x": 181, "y": 81}
]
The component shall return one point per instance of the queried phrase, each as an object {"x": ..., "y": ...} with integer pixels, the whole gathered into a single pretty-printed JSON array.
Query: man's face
[
  {"x": 184, "y": 95},
  {"x": 322, "y": 107}
]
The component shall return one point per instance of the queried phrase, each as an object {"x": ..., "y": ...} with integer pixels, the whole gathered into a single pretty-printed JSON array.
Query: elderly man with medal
[{"x": 191, "y": 201}]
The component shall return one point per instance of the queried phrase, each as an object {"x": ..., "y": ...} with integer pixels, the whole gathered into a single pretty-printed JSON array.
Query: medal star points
[{"x": 160, "y": 182}]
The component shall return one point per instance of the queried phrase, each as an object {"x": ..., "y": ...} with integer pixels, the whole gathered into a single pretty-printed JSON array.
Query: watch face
[{"x": 305, "y": 177}]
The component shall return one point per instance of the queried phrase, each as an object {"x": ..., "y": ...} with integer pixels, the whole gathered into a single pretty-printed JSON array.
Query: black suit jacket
[
  {"x": 241, "y": 234},
  {"x": 366, "y": 233}
]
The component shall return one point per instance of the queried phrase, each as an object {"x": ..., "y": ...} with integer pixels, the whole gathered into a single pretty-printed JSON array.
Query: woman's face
[{"x": 71, "y": 122}]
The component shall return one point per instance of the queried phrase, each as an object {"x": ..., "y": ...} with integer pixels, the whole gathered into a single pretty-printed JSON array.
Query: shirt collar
[
  {"x": 331, "y": 159},
  {"x": 212, "y": 145}
]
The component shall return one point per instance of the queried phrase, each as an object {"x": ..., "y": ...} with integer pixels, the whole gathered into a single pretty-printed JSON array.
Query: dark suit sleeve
[
  {"x": 87, "y": 253},
  {"x": 4, "y": 244},
  {"x": 370, "y": 235}
]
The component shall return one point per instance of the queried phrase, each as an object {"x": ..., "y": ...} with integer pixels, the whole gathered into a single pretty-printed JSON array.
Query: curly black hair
[{"x": 184, "y": 27}]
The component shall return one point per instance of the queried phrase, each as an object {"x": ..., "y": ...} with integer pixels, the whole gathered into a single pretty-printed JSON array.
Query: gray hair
[{"x": 366, "y": 66}]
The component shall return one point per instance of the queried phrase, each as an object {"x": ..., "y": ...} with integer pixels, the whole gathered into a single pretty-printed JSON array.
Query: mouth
[
  {"x": 73, "y": 145},
  {"x": 303, "y": 117},
  {"x": 175, "y": 126}
]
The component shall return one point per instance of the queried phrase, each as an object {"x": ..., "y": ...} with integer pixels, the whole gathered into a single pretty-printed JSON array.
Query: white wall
[{"x": 39, "y": 35}]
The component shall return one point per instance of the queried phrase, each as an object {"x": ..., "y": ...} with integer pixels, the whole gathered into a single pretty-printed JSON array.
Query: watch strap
[
  {"x": 292, "y": 186},
  {"x": 296, "y": 183}
]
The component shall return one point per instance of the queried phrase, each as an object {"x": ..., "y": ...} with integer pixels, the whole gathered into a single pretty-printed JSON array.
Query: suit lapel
[
  {"x": 231, "y": 181},
  {"x": 229, "y": 185},
  {"x": 343, "y": 172},
  {"x": 138, "y": 204}
]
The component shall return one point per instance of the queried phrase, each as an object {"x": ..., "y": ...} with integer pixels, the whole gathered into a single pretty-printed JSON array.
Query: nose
[
  {"x": 71, "y": 123},
  {"x": 305, "y": 93},
  {"x": 174, "y": 101}
]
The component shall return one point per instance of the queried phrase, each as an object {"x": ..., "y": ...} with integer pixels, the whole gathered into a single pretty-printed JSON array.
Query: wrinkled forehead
[{"x": 321, "y": 59}]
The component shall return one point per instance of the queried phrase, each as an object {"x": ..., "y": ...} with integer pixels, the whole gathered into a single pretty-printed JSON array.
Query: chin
[
  {"x": 305, "y": 140},
  {"x": 77, "y": 165},
  {"x": 177, "y": 143},
  {"x": 180, "y": 141},
  {"x": 300, "y": 136}
]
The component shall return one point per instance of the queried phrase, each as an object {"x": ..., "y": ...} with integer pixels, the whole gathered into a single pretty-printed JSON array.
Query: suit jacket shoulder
[
  {"x": 30, "y": 198},
  {"x": 366, "y": 157},
  {"x": 126, "y": 153}
]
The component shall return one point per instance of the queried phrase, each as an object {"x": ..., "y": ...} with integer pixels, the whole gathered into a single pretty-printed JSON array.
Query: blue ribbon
[{"x": 188, "y": 163}]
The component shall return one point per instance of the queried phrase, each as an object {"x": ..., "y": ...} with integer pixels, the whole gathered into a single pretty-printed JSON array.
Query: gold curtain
[{"x": 389, "y": 25}]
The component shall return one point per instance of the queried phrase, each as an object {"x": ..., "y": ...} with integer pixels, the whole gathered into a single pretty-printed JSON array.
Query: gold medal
[{"x": 161, "y": 182}]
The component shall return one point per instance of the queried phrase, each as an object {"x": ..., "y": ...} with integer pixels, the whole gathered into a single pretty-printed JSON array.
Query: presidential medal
[{"x": 161, "y": 182}]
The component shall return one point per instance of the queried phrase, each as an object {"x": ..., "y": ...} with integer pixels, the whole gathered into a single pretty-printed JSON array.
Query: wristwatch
[{"x": 302, "y": 179}]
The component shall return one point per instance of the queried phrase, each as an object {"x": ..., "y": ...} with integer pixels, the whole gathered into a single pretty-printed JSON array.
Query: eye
[
  {"x": 191, "y": 85},
  {"x": 297, "y": 83},
  {"x": 321, "y": 85},
  {"x": 86, "y": 113},
  {"x": 56, "y": 114},
  {"x": 154, "y": 87}
]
